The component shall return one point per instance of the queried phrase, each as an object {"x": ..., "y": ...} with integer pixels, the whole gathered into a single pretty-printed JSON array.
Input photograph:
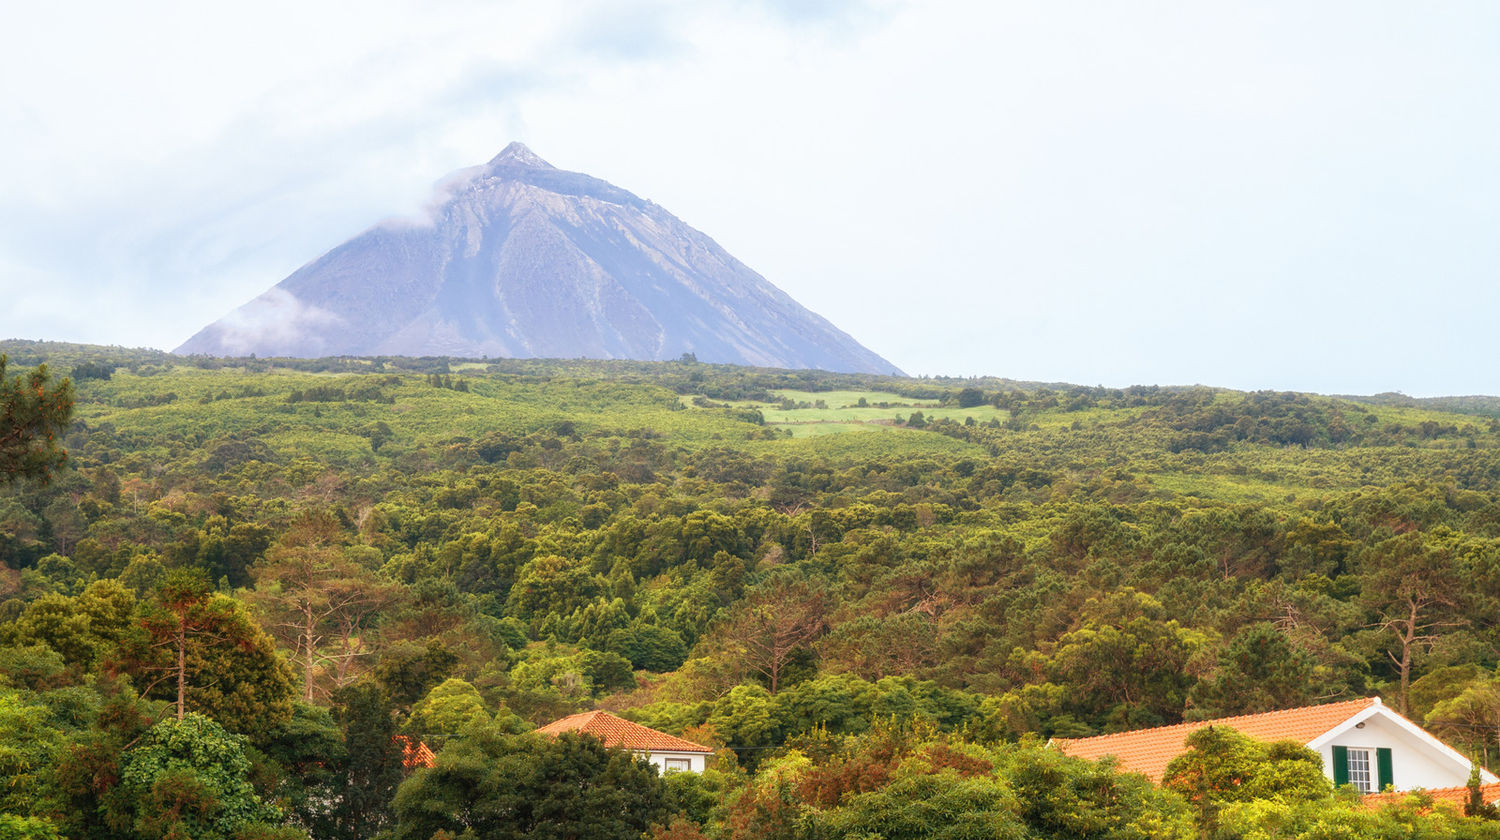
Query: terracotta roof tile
[
  {"x": 619, "y": 732},
  {"x": 414, "y": 753},
  {"x": 1455, "y": 796},
  {"x": 1148, "y": 751}
]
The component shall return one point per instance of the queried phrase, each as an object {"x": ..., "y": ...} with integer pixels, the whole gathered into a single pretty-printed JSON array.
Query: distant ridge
[{"x": 524, "y": 260}]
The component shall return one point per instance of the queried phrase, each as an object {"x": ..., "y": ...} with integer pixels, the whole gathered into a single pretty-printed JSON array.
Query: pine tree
[{"x": 34, "y": 411}]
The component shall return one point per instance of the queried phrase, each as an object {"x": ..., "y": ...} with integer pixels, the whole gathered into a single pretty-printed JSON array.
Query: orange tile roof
[
  {"x": 1455, "y": 796},
  {"x": 414, "y": 753},
  {"x": 1148, "y": 751},
  {"x": 619, "y": 732}
]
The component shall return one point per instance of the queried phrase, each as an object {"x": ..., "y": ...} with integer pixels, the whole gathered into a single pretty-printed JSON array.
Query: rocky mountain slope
[{"x": 521, "y": 259}]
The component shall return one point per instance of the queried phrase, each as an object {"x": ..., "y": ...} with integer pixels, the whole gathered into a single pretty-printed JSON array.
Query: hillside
[{"x": 990, "y": 557}]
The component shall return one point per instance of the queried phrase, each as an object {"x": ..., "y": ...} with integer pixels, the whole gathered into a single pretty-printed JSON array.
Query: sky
[{"x": 1274, "y": 194}]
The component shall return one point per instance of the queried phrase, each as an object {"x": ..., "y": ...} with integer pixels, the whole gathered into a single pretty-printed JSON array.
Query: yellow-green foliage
[{"x": 544, "y": 537}]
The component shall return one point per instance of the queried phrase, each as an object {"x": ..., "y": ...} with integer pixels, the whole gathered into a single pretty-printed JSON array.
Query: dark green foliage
[
  {"x": 92, "y": 370},
  {"x": 300, "y": 764},
  {"x": 365, "y": 773},
  {"x": 970, "y": 397},
  {"x": 1260, "y": 670},
  {"x": 651, "y": 647},
  {"x": 529, "y": 787},
  {"x": 1475, "y": 804},
  {"x": 607, "y": 671},
  {"x": 88, "y": 768},
  {"x": 406, "y": 673}
]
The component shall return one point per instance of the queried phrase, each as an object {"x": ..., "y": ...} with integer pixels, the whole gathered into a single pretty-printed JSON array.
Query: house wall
[
  {"x": 696, "y": 761},
  {"x": 1414, "y": 763}
]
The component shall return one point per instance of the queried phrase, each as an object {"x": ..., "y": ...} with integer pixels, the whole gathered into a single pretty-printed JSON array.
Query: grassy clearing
[
  {"x": 850, "y": 399},
  {"x": 1227, "y": 488},
  {"x": 884, "y": 441},
  {"x": 819, "y": 429}
]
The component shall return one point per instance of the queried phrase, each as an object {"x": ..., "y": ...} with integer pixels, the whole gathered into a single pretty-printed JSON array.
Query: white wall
[
  {"x": 1414, "y": 763},
  {"x": 696, "y": 761}
]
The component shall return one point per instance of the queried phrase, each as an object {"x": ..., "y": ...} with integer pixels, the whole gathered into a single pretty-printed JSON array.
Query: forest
[{"x": 232, "y": 591}]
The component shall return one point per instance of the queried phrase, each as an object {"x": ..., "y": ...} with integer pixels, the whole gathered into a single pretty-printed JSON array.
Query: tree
[
  {"x": 449, "y": 709},
  {"x": 648, "y": 646},
  {"x": 1125, "y": 664},
  {"x": 368, "y": 770},
  {"x": 765, "y": 630},
  {"x": 1064, "y": 798},
  {"x": 312, "y": 593},
  {"x": 1472, "y": 717},
  {"x": 187, "y": 778},
  {"x": 177, "y": 617},
  {"x": 1222, "y": 766},
  {"x": 29, "y": 744},
  {"x": 1260, "y": 670},
  {"x": 81, "y": 628},
  {"x": 970, "y": 397},
  {"x": 301, "y": 775},
  {"x": 746, "y": 716},
  {"x": 54, "y": 620},
  {"x": 212, "y": 654},
  {"x": 551, "y": 585},
  {"x": 34, "y": 411},
  {"x": 933, "y": 806},
  {"x": 1415, "y": 591},
  {"x": 530, "y": 787},
  {"x": 406, "y": 672},
  {"x": 1475, "y": 803},
  {"x": 88, "y": 767}
]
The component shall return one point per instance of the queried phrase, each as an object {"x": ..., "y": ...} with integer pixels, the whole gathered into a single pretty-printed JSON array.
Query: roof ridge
[
  {"x": 1224, "y": 721},
  {"x": 589, "y": 715}
]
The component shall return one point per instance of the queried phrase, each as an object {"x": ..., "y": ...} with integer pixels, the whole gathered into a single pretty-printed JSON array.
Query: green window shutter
[
  {"x": 1383, "y": 758},
  {"x": 1340, "y": 766}
]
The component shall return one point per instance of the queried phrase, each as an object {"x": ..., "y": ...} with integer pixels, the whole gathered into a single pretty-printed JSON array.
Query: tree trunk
[
  {"x": 1407, "y": 641},
  {"x": 307, "y": 651},
  {"x": 181, "y": 666}
]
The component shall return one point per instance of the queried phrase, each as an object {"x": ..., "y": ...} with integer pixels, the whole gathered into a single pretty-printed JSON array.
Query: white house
[
  {"x": 669, "y": 753},
  {"x": 1362, "y": 742}
]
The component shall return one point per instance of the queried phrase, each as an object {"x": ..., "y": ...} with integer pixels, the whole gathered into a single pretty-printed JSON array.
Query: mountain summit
[
  {"x": 521, "y": 259},
  {"x": 516, "y": 154}
]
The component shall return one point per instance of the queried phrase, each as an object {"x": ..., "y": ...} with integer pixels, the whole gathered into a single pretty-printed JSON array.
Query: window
[
  {"x": 1359, "y": 769},
  {"x": 1369, "y": 770},
  {"x": 679, "y": 765}
]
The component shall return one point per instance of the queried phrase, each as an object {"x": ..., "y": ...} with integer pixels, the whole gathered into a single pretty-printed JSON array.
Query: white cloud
[
  {"x": 275, "y": 318},
  {"x": 1249, "y": 194}
]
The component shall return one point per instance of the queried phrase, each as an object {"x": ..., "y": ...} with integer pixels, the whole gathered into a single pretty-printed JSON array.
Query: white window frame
[
  {"x": 678, "y": 765},
  {"x": 1363, "y": 780}
]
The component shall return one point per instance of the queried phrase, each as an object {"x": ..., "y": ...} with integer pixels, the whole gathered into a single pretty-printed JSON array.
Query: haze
[{"x": 1255, "y": 195}]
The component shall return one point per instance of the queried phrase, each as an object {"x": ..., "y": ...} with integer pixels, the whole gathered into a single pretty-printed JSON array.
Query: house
[
  {"x": 1362, "y": 742},
  {"x": 669, "y": 753}
]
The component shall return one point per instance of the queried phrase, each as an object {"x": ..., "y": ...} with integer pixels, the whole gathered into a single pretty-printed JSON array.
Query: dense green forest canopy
[{"x": 877, "y": 595}]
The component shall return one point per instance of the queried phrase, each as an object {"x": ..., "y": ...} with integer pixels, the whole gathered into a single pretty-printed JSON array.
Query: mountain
[{"x": 521, "y": 259}]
